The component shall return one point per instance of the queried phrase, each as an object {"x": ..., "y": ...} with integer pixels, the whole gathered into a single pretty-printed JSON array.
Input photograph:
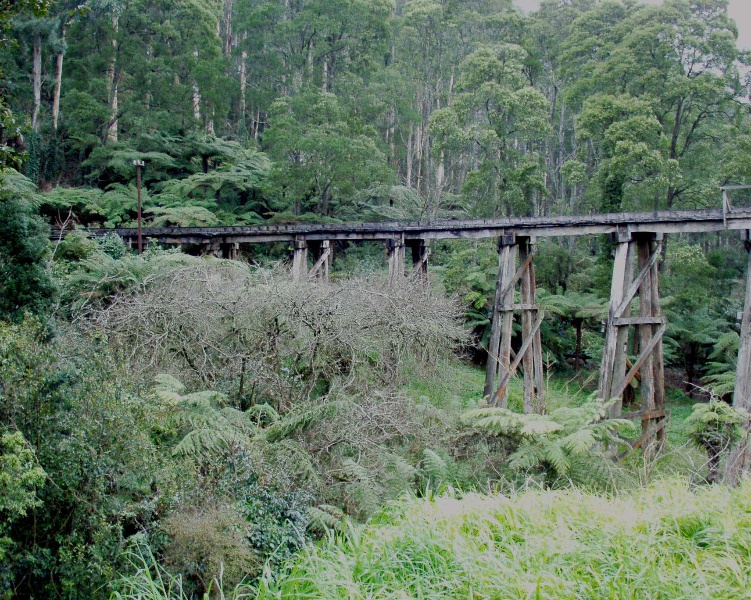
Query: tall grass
[{"x": 664, "y": 541}]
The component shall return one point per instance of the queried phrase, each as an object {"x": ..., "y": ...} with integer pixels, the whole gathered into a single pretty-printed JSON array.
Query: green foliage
[
  {"x": 720, "y": 372},
  {"x": 560, "y": 446},
  {"x": 666, "y": 540},
  {"x": 90, "y": 433},
  {"x": 20, "y": 476},
  {"x": 714, "y": 426},
  {"x": 27, "y": 286}
]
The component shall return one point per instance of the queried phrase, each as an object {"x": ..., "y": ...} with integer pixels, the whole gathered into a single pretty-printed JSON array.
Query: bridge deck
[{"x": 688, "y": 221}]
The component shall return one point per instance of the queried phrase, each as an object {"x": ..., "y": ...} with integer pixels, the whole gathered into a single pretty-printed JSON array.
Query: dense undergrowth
[
  {"x": 182, "y": 427},
  {"x": 663, "y": 541}
]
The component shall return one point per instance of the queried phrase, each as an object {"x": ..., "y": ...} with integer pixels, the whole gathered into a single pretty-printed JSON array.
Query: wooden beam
[
  {"x": 299, "y": 260},
  {"x": 320, "y": 269},
  {"x": 685, "y": 221},
  {"x": 502, "y": 389},
  {"x": 643, "y": 356},
  {"x": 637, "y": 283},
  {"x": 739, "y": 461},
  {"x": 648, "y": 320},
  {"x": 499, "y": 346}
]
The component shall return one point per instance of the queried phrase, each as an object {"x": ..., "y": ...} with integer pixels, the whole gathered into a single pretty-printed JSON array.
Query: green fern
[
  {"x": 325, "y": 518},
  {"x": 435, "y": 467},
  {"x": 551, "y": 444},
  {"x": 714, "y": 426},
  {"x": 298, "y": 420},
  {"x": 202, "y": 420}
]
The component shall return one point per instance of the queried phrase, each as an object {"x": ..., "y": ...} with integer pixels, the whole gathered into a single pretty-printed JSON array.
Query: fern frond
[
  {"x": 494, "y": 419},
  {"x": 434, "y": 466},
  {"x": 579, "y": 442},
  {"x": 324, "y": 518},
  {"x": 167, "y": 383},
  {"x": 298, "y": 420},
  {"x": 354, "y": 471},
  {"x": 263, "y": 413},
  {"x": 538, "y": 425},
  {"x": 556, "y": 456},
  {"x": 526, "y": 457},
  {"x": 299, "y": 462},
  {"x": 204, "y": 441}
]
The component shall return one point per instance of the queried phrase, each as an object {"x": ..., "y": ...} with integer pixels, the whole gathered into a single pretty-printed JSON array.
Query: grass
[{"x": 664, "y": 541}]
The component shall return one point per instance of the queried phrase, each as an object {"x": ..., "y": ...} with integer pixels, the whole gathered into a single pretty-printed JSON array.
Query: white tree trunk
[
  {"x": 58, "y": 80},
  {"x": 36, "y": 76},
  {"x": 112, "y": 78}
]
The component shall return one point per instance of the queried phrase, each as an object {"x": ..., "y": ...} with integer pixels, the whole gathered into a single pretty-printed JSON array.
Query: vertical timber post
[
  {"x": 643, "y": 248},
  {"x": 653, "y": 367},
  {"x": 616, "y": 337},
  {"x": 534, "y": 391},
  {"x": 395, "y": 249},
  {"x": 299, "y": 259},
  {"x": 502, "y": 317},
  {"x": 739, "y": 460},
  {"x": 420, "y": 252}
]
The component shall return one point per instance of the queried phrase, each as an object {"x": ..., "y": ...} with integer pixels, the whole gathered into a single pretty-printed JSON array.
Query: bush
[{"x": 664, "y": 541}]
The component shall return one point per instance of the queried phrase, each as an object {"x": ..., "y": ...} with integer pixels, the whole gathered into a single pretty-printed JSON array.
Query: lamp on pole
[{"x": 139, "y": 164}]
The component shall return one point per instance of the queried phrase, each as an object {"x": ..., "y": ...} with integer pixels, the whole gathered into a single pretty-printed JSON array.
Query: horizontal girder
[{"x": 682, "y": 221}]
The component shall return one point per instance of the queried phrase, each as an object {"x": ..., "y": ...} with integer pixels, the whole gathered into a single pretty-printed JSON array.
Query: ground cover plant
[{"x": 662, "y": 541}]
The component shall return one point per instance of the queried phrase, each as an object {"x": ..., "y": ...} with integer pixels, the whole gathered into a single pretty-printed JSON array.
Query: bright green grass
[{"x": 664, "y": 541}]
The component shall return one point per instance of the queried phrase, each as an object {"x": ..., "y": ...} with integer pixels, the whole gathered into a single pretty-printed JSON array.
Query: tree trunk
[
  {"x": 243, "y": 87},
  {"x": 112, "y": 77},
  {"x": 58, "y": 80},
  {"x": 36, "y": 76}
]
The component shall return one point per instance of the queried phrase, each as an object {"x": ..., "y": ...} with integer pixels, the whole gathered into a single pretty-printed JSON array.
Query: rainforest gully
[{"x": 528, "y": 376}]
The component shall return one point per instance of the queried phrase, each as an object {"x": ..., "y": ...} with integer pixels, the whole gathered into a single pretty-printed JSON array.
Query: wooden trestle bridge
[{"x": 637, "y": 238}]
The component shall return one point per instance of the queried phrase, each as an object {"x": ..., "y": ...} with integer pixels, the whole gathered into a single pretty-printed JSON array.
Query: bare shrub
[{"x": 259, "y": 337}]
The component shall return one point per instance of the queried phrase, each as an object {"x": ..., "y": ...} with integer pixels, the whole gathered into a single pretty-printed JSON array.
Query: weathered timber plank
[
  {"x": 659, "y": 222},
  {"x": 646, "y": 320}
]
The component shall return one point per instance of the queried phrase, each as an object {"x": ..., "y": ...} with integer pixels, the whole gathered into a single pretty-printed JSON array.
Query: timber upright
[
  {"x": 500, "y": 368},
  {"x": 642, "y": 249}
]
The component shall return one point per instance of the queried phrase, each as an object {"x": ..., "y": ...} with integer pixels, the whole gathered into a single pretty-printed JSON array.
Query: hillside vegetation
[
  {"x": 178, "y": 426},
  {"x": 664, "y": 541}
]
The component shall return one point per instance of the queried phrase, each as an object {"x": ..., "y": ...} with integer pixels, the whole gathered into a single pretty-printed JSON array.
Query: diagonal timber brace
[
  {"x": 640, "y": 251},
  {"x": 499, "y": 368}
]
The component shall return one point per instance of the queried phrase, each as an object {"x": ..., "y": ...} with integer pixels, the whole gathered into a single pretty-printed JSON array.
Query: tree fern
[
  {"x": 325, "y": 518},
  {"x": 550, "y": 444},
  {"x": 714, "y": 426},
  {"x": 202, "y": 419},
  {"x": 297, "y": 420}
]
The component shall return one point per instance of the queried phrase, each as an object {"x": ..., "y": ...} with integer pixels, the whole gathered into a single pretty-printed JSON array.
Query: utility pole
[{"x": 139, "y": 164}]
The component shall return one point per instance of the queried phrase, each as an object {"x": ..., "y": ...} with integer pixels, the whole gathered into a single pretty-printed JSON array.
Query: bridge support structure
[
  {"x": 642, "y": 251},
  {"x": 501, "y": 367},
  {"x": 395, "y": 248},
  {"x": 323, "y": 256},
  {"x": 739, "y": 460},
  {"x": 299, "y": 259},
  {"x": 420, "y": 250}
]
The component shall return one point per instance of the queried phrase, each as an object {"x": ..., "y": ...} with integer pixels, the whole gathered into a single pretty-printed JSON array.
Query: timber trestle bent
[{"x": 637, "y": 239}]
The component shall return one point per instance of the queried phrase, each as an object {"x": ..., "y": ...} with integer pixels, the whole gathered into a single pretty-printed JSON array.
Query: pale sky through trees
[{"x": 740, "y": 10}]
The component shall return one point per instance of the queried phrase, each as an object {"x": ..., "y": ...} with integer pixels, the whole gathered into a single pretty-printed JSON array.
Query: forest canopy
[
  {"x": 174, "y": 424},
  {"x": 245, "y": 111}
]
